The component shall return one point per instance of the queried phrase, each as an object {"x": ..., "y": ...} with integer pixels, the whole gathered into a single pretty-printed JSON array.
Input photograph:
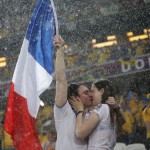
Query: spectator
[
  {"x": 136, "y": 106},
  {"x": 50, "y": 144},
  {"x": 146, "y": 117},
  {"x": 128, "y": 127}
]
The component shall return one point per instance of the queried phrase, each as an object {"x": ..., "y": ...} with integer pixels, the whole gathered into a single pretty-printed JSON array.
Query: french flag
[{"x": 33, "y": 75}]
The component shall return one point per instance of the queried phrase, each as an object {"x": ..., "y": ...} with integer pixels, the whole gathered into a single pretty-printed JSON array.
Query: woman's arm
[{"x": 84, "y": 128}]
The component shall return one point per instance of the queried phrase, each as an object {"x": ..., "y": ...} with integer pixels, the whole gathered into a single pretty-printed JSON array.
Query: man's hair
[{"x": 73, "y": 90}]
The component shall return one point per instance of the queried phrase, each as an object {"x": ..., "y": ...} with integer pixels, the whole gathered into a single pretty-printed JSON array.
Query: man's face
[{"x": 85, "y": 96}]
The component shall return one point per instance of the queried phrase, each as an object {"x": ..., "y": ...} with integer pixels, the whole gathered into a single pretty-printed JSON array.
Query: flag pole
[
  {"x": 32, "y": 76},
  {"x": 55, "y": 15}
]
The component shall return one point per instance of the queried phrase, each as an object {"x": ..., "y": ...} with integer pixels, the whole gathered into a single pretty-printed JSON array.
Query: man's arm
[{"x": 60, "y": 70}]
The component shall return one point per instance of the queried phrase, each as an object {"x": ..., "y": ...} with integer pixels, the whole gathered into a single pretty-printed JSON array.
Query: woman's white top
[{"x": 104, "y": 135}]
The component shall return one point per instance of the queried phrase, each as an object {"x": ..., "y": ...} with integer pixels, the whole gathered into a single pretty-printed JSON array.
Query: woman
[{"x": 100, "y": 123}]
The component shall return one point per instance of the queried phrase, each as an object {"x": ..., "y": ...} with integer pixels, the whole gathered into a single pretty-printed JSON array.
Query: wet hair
[
  {"x": 109, "y": 90},
  {"x": 73, "y": 90}
]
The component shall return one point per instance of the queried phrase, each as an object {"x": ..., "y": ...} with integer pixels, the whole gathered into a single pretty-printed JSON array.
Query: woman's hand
[
  {"x": 77, "y": 104},
  {"x": 112, "y": 102}
]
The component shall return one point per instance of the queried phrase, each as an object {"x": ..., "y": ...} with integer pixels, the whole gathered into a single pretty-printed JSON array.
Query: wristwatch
[{"x": 81, "y": 111}]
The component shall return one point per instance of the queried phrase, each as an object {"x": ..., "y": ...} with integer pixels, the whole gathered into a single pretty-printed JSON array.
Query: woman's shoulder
[
  {"x": 102, "y": 111},
  {"x": 101, "y": 108},
  {"x": 105, "y": 106}
]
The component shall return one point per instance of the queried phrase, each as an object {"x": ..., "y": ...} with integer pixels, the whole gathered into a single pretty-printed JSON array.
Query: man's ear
[
  {"x": 74, "y": 97},
  {"x": 102, "y": 91}
]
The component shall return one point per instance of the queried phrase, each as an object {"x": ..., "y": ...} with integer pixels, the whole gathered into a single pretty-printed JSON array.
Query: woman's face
[{"x": 96, "y": 95}]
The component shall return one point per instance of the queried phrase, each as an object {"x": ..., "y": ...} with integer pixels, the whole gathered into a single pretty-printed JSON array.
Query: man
[{"x": 65, "y": 116}]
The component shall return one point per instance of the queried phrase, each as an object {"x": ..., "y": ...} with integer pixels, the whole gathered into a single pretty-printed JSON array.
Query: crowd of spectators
[
  {"x": 79, "y": 9},
  {"x": 137, "y": 113},
  {"x": 16, "y": 20},
  {"x": 86, "y": 55}
]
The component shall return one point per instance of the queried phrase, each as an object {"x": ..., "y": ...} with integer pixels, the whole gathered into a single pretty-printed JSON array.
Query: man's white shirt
[{"x": 65, "y": 120}]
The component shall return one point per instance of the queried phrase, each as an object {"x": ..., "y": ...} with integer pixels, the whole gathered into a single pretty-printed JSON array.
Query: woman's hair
[
  {"x": 73, "y": 90},
  {"x": 109, "y": 90}
]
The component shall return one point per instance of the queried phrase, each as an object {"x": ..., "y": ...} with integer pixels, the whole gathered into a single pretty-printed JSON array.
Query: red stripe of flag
[{"x": 20, "y": 124}]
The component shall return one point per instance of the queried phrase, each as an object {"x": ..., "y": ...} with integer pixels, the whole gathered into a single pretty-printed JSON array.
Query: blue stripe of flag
[{"x": 40, "y": 34}]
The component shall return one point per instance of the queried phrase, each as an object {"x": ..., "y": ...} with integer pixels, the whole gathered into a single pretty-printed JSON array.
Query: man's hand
[
  {"x": 58, "y": 42},
  {"x": 60, "y": 70}
]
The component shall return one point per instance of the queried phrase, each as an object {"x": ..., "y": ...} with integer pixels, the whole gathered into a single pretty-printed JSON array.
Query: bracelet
[{"x": 79, "y": 112}]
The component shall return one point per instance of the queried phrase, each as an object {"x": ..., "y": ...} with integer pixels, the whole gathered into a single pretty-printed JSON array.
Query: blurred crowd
[
  {"x": 80, "y": 55},
  {"x": 137, "y": 113},
  {"x": 79, "y": 9},
  {"x": 77, "y": 57}
]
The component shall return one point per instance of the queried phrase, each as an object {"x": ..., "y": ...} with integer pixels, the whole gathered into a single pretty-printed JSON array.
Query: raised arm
[{"x": 60, "y": 69}]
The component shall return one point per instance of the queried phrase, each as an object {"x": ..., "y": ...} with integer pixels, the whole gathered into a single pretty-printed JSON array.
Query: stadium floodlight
[
  {"x": 3, "y": 61},
  {"x": 146, "y": 31},
  {"x": 3, "y": 64},
  {"x": 129, "y": 33},
  {"x": 112, "y": 37},
  {"x": 93, "y": 41},
  {"x": 138, "y": 37},
  {"x": 104, "y": 44}
]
